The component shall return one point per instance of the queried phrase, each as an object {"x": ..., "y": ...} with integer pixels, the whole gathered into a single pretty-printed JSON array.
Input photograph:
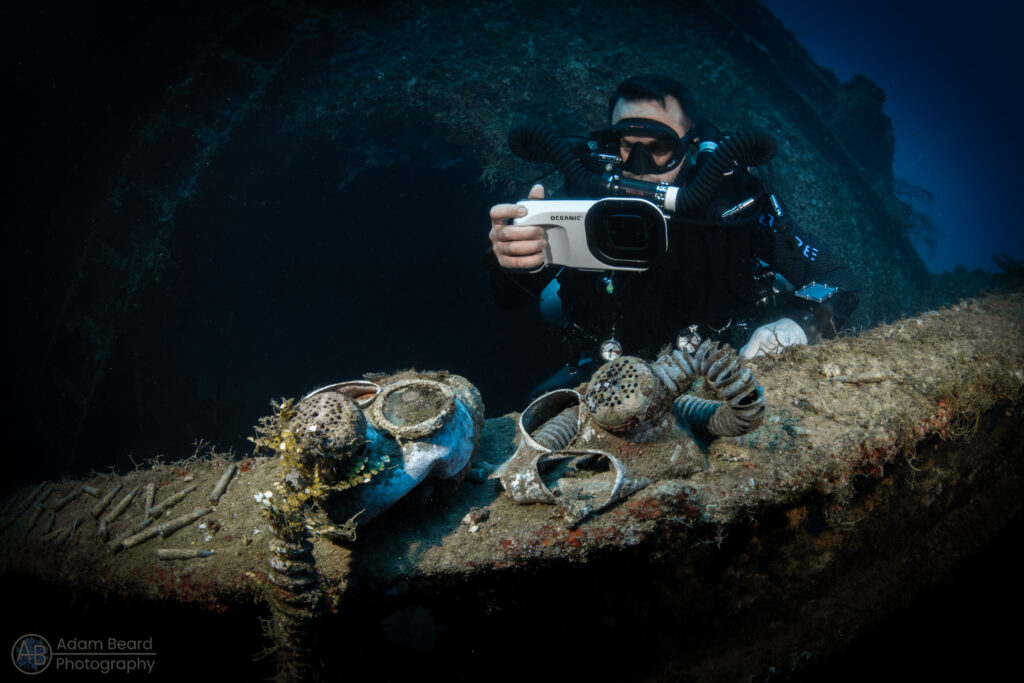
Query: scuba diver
[{"x": 733, "y": 269}]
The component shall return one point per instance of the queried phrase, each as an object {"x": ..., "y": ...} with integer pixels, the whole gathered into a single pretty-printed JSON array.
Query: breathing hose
[{"x": 534, "y": 142}]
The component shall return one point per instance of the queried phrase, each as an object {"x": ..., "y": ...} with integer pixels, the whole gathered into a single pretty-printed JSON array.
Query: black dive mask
[{"x": 641, "y": 156}]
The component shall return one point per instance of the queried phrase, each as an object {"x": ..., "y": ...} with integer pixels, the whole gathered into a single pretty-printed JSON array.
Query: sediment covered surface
[{"x": 882, "y": 459}]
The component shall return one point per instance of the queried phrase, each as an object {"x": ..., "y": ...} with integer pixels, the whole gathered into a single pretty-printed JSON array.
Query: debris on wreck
[
  {"x": 895, "y": 442},
  {"x": 623, "y": 421}
]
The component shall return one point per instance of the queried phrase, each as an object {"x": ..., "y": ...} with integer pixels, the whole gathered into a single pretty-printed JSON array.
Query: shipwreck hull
[{"x": 883, "y": 460}]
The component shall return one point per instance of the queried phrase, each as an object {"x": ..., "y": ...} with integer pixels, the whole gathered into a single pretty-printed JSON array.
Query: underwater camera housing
[{"x": 614, "y": 233}]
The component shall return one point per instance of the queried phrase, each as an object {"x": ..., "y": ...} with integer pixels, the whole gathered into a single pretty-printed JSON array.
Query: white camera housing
[{"x": 615, "y": 233}]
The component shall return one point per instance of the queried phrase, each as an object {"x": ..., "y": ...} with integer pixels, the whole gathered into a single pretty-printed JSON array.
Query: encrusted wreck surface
[{"x": 882, "y": 459}]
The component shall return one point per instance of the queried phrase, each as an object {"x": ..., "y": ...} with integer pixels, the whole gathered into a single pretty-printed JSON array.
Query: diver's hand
[
  {"x": 517, "y": 246},
  {"x": 772, "y": 337}
]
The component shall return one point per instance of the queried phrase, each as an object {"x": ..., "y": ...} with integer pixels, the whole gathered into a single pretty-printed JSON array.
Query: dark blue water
[{"x": 945, "y": 71}]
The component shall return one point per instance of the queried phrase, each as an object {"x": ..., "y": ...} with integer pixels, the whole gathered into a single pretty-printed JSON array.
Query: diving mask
[{"x": 640, "y": 158}]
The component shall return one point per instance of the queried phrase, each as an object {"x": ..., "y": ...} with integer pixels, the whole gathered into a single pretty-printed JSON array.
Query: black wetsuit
[{"x": 718, "y": 274}]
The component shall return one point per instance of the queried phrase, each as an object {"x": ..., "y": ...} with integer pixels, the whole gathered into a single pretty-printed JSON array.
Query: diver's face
[{"x": 671, "y": 114}]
